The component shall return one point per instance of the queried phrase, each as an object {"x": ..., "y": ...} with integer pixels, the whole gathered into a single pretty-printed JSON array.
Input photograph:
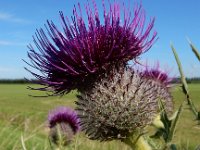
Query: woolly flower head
[
  {"x": 63, "y": 124},
  {"x": 84, "y": 51},
  {"x": 120, "y": 104}
]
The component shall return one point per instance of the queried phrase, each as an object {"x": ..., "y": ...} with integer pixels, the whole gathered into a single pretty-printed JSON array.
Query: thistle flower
[
  {"x": 119, "y": 104},
  {"x": 63, "y": 124},
  {"x": 81, "y": 53},
  {"x": 162, "y": 78},
  {"x": 156, "y": 73}
]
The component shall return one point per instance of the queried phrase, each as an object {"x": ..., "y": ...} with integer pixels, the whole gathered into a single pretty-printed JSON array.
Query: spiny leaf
[
  {"x": 174, "y": 122},
  {"x": 194, "y": 49},
  {"x": 183, "y": 80},
  {"x": 162, "y": 131},
  {"x": 164, "y": 117},
  {"x": 169, "y": 124},
  {"x": 184, "y": 83},
  {"x": 165, "y": 120},
  {"x": 173, "y": 147}
]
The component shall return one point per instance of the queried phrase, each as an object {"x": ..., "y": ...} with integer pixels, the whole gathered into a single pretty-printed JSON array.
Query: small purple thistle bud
[
  {"x": 164, "y": 80},
  {"x": 156, "y": 73},
  {"x": 81, "y": 53},
  {"x": 63, "y": 124}
]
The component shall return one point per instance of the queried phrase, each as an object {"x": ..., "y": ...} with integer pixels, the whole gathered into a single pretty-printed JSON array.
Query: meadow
[{"x": 23, "y": 120}]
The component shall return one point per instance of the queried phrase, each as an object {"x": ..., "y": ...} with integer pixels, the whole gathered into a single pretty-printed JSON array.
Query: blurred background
[
  {"x": 175, "y": 21},
  {"x": 24, "y": 118}
]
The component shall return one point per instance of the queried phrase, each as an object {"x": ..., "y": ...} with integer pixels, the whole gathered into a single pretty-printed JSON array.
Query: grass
[
  {"x": 24, "y": 117},
  {"x": 188, "y": 130}
]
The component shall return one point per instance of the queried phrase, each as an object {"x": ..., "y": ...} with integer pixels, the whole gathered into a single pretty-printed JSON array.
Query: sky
[{"x": 176, "y": 20}]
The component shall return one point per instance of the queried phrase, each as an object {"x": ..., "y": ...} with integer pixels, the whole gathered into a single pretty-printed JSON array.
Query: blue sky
[{"x": 175, "y": 20}]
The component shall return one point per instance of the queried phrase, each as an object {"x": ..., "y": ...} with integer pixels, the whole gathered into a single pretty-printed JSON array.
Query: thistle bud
[
  {"x": 161, "y": 78},
  {"x": 118, "y": 105},
  {"x": 63, "y": 124}
]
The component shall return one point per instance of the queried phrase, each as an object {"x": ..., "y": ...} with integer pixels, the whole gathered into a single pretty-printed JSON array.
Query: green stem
[
  {"x": 184, "y": 84},
  {"x": 139, "y": 144},
  {"x": 194, "y": 110},
  {"x": 144, "y": 142}
]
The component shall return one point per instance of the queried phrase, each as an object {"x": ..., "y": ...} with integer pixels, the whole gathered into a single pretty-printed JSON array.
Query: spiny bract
[
  {"x": 64, "y": 124},
  {"x": 119, "y": 104}
]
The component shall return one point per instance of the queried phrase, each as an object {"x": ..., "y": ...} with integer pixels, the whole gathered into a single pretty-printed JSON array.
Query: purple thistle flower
[
  {"x": 65, "y": 115},
  {"x": 80, "y": 54},
  {"x": 156, "y": 73},
  {"x": 63, "y": 124}
]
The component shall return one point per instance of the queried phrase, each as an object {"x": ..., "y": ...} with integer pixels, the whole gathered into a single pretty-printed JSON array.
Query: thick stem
[
  {"x": 140, "y": 144},
  {"x": 143, "y": 142}
]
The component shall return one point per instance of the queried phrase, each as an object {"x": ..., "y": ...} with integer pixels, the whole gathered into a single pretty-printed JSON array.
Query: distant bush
[
  {"x": 193, "y": 80},
  {"x": 16, "y": 81},
  {"x": 189, "y": 80},
  {"x": 24, "y": 81}
]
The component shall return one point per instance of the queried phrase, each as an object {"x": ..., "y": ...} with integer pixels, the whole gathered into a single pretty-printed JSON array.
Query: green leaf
[
  {"x": 169, "y": 124},
  {"x": 184, "y": 83},
  {"x": 194, "y": 49},
  {"x": 164, "y": 131},
  {"x": 23, "y": 143},
  {"x": 173, "y": 147},
  {"x": 183, "y": 80},
  {"x": 174, "y": 122}
]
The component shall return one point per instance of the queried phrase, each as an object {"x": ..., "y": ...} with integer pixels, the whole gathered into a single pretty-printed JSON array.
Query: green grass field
[{"x": 23, "y": 118}]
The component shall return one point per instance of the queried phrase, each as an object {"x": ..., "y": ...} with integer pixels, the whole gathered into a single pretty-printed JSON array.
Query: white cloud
[
  {"x": 13, "y": 73},
  {"x": 4, "y": 16},
  {"x": 193, "y": 70},
  {"x": 11, "y": 43},
  {"x": 12, "y": 18},
  {"x": 6, "y": 70}
]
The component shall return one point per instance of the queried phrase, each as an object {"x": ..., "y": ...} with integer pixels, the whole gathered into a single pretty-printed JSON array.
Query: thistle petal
[{"x": 82, "y": 53}]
